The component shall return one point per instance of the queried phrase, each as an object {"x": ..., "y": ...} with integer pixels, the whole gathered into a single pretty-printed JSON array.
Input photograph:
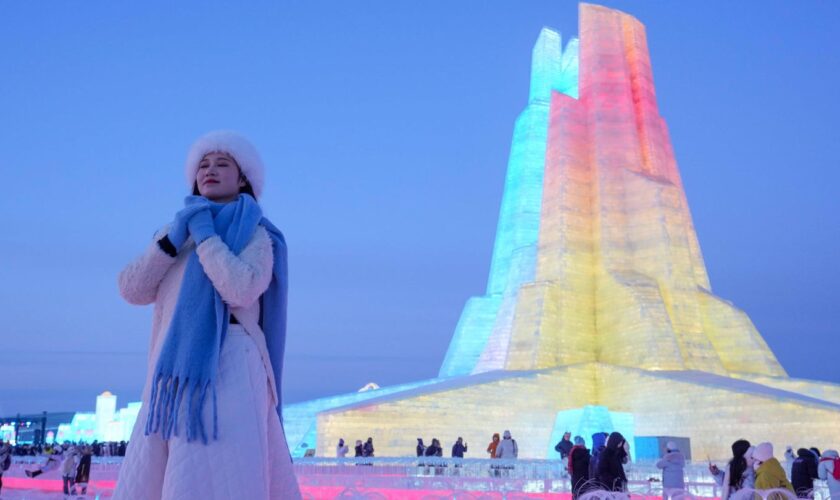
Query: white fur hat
[
  {"x": 763, "y": 452},
  {"x": 671, "y": 446},
  {"x": 234, "y": 144}
]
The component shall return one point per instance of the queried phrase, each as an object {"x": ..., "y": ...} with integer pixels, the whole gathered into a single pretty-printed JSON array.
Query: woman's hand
[
  {"x": 179, "y": 229},
  {"x": 201, "y": 225}
]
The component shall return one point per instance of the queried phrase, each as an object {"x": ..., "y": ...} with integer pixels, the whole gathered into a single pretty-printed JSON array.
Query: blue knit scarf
[{"x": 188, "y": 365}]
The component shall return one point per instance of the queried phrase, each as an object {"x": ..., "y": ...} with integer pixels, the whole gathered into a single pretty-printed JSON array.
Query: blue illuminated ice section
[{"x": 515, "y": 249}]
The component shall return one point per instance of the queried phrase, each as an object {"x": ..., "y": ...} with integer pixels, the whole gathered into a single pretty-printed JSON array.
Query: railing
[{"x": 469, "y": 476}]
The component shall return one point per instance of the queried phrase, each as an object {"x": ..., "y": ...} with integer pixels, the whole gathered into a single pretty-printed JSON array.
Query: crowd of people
[
  {"x": 602, "y": 466},
  {"x": 753, "y": 467},
  {"x": 74, "y": 462},
  {"x": 435, "y": 449},
  {"x": 360, "y": 449},
  {"x": 99, "y": 449},
  {"x": 756, "y": 467},
  {"x": 72, "y": 459},
  {"x": 599, "y": 468}
]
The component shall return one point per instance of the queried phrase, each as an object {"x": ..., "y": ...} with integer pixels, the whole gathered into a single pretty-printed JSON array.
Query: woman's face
[{"x": 218, "y": 178}]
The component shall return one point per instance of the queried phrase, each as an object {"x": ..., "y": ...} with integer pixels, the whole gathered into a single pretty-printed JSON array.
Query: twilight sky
[{"x": 385, "y": 127}]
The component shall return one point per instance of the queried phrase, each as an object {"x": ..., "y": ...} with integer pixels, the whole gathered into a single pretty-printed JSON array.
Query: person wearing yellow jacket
[{"x": 769, "y": 473}]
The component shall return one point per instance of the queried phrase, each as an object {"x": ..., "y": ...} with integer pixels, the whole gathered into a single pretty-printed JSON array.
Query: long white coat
[{"x": 251, "y": 458}]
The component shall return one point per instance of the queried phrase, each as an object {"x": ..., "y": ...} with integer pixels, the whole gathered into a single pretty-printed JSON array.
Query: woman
[
  {"x": 739, "y": 472},
  {"x": 769, "y": 473},
  {"x": 210, "y": 425},
  {"x": 611, "y": 463},
  {"x": 435, "y": 450},
  {"x": 83, "y": 470}
]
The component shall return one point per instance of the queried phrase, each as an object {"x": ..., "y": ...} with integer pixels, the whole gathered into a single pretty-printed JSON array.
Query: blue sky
[{"x": 386, "y": 128}]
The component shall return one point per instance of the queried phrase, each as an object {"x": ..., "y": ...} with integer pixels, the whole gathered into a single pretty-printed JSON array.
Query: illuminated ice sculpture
[{"x": 598, "y": 295}]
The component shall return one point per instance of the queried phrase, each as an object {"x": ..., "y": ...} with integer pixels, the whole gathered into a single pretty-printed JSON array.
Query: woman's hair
[
  {"x": 738, "y": 464},
  {"x": 615, "y": 441}
]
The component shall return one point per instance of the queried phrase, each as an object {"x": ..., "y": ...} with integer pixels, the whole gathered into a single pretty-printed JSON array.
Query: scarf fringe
[{"x": 166, "y": 400}]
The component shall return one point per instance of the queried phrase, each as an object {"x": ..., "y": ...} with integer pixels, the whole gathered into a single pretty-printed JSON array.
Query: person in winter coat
[
  {"x": 739, "y": 472},
  {"x": 507, "y": 449},
  {"x": 829, "y": 471},
  {"x": 611, "y": 463},
  {"x": 5, "y": 460},
  {"x": 368, "y": 448},
  {"x": 578, "y": 467},
  {"x": 359, "y": 448},
  {"x": 434, "y": 449},
  {"x": 217, "y": 275},
  {"x": 599, "y": 443},
  {"x": 421, "y": 448},
  {"x": 459, "y": 448},
  {"x": 790, "y": 456},
  {"x": 769, "y": 473},
  {"x": 564, "y": 446},
  {"x": 493, "y": 446},
  {"x": 673, "y": 471},
  {"x": 83, "y": 470},
  {"x": 341, "y": 449},
  {"x": 803, "y": 472},
  {"x": 68, "y": 470}
]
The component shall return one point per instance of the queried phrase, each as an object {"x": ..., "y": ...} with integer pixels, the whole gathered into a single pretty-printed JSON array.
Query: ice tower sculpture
[{"x": 598, "y": 296}]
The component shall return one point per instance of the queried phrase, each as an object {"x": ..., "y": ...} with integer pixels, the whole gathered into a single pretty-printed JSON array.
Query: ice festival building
[{"x": 598, "y": 314}]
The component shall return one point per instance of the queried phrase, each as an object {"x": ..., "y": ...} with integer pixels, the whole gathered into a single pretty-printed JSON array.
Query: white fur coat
[{"x": 156, "y": 278}]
